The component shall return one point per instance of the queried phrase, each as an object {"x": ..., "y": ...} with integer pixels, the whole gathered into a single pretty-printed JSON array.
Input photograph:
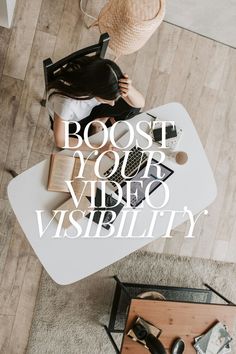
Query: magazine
[
  {"x": 225, "y": 350},
  {"x": 215, "y": 341}
]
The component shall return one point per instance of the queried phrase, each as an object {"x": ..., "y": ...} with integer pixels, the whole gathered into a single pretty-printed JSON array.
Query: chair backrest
[{"x": 51, "y": 68}]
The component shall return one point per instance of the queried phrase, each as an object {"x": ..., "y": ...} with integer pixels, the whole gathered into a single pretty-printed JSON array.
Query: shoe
[{"x": 178, "y": 346}]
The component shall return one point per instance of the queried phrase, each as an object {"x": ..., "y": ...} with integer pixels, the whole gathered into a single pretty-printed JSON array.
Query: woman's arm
[
  {"x": 132, "y": 96},
  {"x": 59, "y": 135}
]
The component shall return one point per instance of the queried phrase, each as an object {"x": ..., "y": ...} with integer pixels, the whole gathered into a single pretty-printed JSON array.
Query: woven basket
[{"x": 130, "y": 23}]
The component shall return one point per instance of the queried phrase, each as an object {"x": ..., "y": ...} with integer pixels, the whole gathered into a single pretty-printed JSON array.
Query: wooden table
[{"x": 176, "y": 319}]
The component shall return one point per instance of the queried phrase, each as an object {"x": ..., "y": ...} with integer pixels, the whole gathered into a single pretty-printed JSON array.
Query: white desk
[{"x": 69, "y": 260}]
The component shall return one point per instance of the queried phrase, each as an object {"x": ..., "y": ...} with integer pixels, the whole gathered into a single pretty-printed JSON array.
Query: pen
[{"x": 151, "y": 115}]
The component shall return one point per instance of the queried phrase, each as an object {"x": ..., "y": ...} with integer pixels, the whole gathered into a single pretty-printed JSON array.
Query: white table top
[{"x": 69, "y": 260}]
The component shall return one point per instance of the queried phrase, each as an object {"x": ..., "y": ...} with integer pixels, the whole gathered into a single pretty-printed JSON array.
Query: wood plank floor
[{"x": 175, "y": 65}]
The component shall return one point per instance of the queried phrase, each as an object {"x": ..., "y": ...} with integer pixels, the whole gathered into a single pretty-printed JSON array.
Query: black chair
[{"x": 51, "y": 69}]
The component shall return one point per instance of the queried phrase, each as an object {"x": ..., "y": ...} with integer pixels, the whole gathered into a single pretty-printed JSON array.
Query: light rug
[{"x": 67, "y": 319}]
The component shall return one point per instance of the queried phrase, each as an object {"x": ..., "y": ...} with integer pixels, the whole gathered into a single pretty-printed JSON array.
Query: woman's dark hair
[{"x": 88, "y": 77}]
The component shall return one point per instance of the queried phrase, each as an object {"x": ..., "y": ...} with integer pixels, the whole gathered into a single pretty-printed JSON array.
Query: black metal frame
[
  {"x": 50, "y": 69},
  {"x": 112, "y": 340},
  {"x": 120, "y": 286},
  {"x": 230, "y": 303},
  {"x": 124, "y": 287}
]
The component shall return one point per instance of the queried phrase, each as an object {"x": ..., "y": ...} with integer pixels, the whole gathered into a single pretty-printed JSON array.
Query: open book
[{"x": 66, "y": 168}]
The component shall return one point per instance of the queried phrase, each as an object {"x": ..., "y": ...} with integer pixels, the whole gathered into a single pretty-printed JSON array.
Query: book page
[
  {"x": 61, "y": 170},
  {"x": 88, "y": 174}
]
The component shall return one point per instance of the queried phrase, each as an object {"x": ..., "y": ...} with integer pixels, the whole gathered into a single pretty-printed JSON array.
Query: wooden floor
[{"x": 175, "y": 65}]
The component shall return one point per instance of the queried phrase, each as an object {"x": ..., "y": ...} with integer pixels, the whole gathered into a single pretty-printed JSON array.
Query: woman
[{"x": 90, "y": 89}]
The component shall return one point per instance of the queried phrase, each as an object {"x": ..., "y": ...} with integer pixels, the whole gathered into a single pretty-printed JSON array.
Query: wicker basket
[{"x": 130, "y": 23}]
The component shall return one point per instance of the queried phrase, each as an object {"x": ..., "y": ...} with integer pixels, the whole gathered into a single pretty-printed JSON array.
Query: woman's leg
[{"x": 120, "y": 111}]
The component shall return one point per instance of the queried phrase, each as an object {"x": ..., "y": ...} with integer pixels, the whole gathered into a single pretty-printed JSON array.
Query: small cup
[{"x": 179, "y": 157}]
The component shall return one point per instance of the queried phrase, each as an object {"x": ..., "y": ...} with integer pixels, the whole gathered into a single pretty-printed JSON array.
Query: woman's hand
[
  {"x": 97, "y": 127},
  {"x": 106, "y": 147},
  {"x": 132, "y": 96},
  {"x": 125, "y": 85}
]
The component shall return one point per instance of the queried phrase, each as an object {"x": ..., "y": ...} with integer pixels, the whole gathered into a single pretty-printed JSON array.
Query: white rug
[
  {"x": 67, "y": 319},
  {"x": 215, "y": 19}
]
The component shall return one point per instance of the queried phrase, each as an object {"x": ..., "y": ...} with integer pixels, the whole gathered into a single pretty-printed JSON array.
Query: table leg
[
  {"x": 12, "y": 172},
  {"x": 218, "y": 294},
  {"x": 122, "y": 287},
  {"x": 112, "y": 340},
  {"x": 43, "y": 102}
]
